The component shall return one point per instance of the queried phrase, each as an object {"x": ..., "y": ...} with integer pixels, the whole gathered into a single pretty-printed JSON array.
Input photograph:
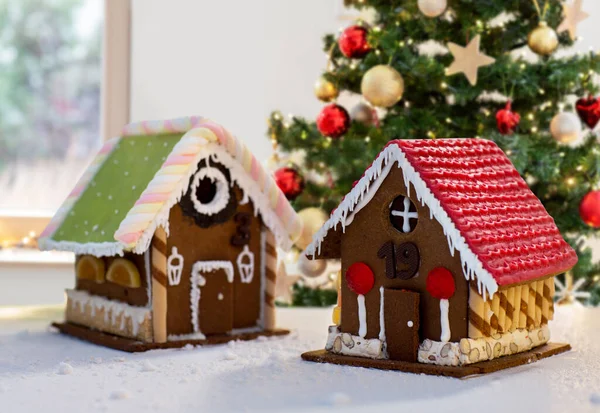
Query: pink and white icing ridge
[{"x": 204, "y": 140}]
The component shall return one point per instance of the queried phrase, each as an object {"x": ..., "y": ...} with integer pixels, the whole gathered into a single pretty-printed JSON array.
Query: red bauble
[
  {"x": 588, "y": 110},
  {"x": 290, "y": 182},
  {"x": 353, "y": 42},
  {"x": 589, "y": 209},
  {"x": 440, "y": 283},
  {"x": 360, "y": 278},
  {"x": 333, "y": 121},
  {"x": 507, "y": 120}
]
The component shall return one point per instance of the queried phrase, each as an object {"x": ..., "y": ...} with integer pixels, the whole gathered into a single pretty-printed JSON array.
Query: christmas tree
[{"x": 429, "y": 69}]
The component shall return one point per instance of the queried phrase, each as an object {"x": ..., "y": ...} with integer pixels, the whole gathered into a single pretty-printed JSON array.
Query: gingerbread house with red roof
[{"x": 448, "y": 261}]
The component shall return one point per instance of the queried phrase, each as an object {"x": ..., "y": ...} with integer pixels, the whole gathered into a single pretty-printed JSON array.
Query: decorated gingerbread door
[
  {"x": 212, "y": 297},
  {"x": 401, "y": 309}
]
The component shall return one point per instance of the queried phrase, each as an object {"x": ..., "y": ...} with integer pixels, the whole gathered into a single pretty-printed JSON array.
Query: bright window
[{"x": 50, "y": 74}]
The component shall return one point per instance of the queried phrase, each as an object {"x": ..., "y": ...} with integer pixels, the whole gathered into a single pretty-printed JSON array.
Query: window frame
[{"x": 16, "y": 225}]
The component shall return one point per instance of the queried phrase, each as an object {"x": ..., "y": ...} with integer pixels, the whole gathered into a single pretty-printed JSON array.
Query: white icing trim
[
  {"x": 174, "y": 270},
  {"x": 182, "y": 337},
  {"x": 405, "y": 214},
  {"x": 221, "y": 197},
  {"x": 112, "y": 309},
  {"x": 381, "y": 316},
  {"x": 361, "y": 194},
  {"x": 245, "y": 265},
  {"x": 444, "y": 320},
  {"x": 362, "y": 316},
  {"x": 97, "y": 249},
  {"x": 251, "y": 189},
  {"x": 198, "y": 281},
  {"x": 244, "y": 330}
]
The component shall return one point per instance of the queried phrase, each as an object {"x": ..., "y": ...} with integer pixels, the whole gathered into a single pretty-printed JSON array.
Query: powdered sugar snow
[{"x": 270, "y": 376}]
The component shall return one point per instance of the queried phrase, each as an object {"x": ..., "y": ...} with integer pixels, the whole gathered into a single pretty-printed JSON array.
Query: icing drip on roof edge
[{"x": 353, "y": 202}]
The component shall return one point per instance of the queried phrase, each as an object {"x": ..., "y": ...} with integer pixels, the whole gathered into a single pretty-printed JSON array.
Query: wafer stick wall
[
  {"x": 524, "y": 306},
  {"x": 271, "y": 279},
  {"x": 159, "y": 285}
]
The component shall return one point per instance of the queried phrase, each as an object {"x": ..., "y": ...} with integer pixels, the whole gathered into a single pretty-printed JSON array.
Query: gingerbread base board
[
  {"x": 134, "y": 346},
  {"x": 485, "y": 367}
]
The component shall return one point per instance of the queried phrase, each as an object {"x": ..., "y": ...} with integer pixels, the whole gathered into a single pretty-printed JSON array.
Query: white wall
[
  {"x": 232, "y": 61},
  {"x": 236, "y": 60}
]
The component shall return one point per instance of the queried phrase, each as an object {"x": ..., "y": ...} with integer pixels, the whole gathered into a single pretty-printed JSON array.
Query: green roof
[{"x": 115, "y": 188}]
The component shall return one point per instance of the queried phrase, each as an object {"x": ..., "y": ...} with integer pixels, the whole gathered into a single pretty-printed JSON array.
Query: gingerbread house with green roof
[{"x": 175, "y": 226}]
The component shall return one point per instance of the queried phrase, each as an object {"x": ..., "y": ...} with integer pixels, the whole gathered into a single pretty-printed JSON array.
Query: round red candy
[
  {"x": 589, "y": 209},
  {"x": 360, "y": 278},
  {"x": 440, "y": 283},
  {"x": 353, "y": 42},
  {"x": 333, "y": 121}
]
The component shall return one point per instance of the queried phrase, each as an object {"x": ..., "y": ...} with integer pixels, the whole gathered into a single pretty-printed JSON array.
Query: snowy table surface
[{"x": 42, "y": 371}]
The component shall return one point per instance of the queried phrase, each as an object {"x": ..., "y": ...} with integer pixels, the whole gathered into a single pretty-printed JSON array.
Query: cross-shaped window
[{"x": 403, "y": 214}]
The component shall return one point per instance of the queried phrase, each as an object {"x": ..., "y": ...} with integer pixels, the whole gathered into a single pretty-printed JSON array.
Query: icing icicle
[
  {"x": 381, "y": 316},
  {"x": 362, "y": 316},
  {"x": 444, "y": 320},
  {"x": 372, "y": 180}
]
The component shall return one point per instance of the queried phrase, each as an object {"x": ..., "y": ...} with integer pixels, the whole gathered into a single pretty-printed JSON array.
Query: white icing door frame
[{"x": 198, "y": 281}]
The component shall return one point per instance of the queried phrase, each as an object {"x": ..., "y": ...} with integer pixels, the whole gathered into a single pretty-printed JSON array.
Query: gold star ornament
[
  {"x": 573, "y": 16},
  {"x": 468, "y": 60}
]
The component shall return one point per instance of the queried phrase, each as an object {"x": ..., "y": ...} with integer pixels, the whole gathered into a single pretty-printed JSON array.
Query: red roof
[{"x": 502, "y": 221}]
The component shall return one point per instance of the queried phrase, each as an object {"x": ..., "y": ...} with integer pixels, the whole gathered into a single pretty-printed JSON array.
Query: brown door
[
  {"x": 216, "y": 303},
  {"x": 401, "y": 313}
]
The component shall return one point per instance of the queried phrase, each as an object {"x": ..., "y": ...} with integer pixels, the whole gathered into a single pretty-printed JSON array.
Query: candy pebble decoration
[
  {"x": 360, "y": 279},
  {"x": 440, "y": 284}
]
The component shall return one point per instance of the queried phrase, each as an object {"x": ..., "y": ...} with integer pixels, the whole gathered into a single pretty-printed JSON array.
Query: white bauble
[
  {"x": 565, "y": 127},
  {"x": 311, "y": 268},
  {"x": 432, "y": 8}
]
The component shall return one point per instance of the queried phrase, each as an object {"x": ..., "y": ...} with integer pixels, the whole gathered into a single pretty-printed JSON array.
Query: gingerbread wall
[
  {"x": 195, "y": 243},
  {"x": 133, "y": 296},
  {"x": 361, "y": 242}
]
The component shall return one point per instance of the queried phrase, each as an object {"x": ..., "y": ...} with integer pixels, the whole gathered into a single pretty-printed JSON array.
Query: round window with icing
[
  {"x": 210, "y": 197},
  {"x": 210, "y": 191},
  {"x": 403, "y": 214}
]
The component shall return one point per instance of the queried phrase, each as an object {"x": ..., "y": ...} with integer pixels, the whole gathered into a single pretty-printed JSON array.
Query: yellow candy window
[
  {"x": 125, "y": 273},
  {"x": 90, "y": 268}
]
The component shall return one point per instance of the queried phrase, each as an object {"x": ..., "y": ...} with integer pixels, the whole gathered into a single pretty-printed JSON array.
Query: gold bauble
[
  {"x": 543, "y": 40},
  {"x": 382, "y": 86},
  {"x": 311, "y": 268},
  {"x": 364, "y": 114},
  {"x": 325, "y": 90},
  {"x": 565, "y": 127},
  {"x": 313, "y": 219},
  {"x": 432, "y": 8}
]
